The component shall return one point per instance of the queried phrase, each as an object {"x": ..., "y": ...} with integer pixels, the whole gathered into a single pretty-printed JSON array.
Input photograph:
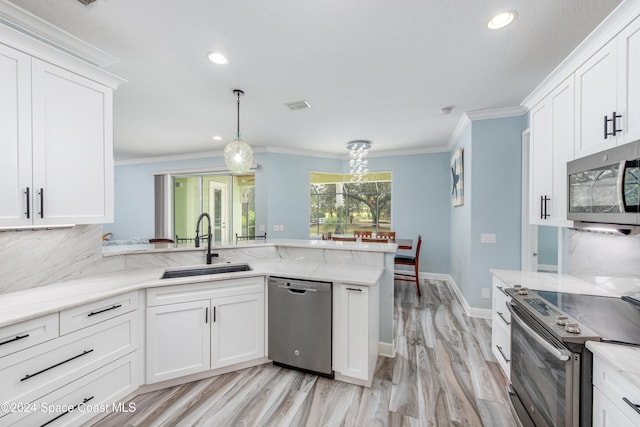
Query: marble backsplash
[
  {"x": 29, "y": 259},
  {"x": 593, "y": 255}
]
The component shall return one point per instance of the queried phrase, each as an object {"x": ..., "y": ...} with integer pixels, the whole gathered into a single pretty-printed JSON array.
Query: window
[
  {"x": 339, "y": 206},
  {"x": 228, "y": 199}
]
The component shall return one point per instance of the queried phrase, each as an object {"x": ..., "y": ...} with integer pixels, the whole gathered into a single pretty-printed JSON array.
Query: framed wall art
[{"x": 457, "y": 178}]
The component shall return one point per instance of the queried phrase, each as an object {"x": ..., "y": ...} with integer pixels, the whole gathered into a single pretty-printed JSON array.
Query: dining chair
[
  {"x": 362, "y": 233},
  {"x": 411, "y": 261},
  {"x": 386, "y": 235},
  {"x": 374, "y": 240},
  {"x": 343, "y": 239}
]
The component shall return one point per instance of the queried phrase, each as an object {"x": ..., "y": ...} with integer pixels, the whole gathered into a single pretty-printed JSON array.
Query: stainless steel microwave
[{"x": 604, "y": 187}]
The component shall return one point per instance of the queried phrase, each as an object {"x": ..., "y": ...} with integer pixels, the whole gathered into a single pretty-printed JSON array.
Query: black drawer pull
[
  {"x": 17, "y": 338},
  {"x": 26, "y": 377},
  {"x": 354, "y": 289},
  {"x": 214, "y": 314},
  {"x": 41, "y": 193},
  {"x": 85, "y": 400},
  {"x": 502, "y": 354},
  {"x": 501, "y": 289},
  {"x": 633, "y": 405},
  {"x": 503, "y": 318},
  {"x": 93, "y": 313},
  {"x": 28, "y": 212}
]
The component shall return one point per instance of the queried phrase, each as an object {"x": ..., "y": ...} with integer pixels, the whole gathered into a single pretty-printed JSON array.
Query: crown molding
[
  {"x": 458, "y": 131},
  {"x": 39, "y": 29},
  {"x": 609, "y": 28}
]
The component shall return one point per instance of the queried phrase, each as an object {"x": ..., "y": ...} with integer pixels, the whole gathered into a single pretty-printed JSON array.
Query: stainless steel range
[{"x": 550, "y": 365}]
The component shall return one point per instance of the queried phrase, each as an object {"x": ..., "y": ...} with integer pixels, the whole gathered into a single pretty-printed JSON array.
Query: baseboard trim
[
  {"x": 387, "y": 349},
  {"x": 482, "y": 313}
]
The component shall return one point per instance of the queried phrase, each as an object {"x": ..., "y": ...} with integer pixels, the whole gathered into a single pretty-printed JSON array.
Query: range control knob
[
  {"x": 523, "y": 291},
  {"x": 572, "y": 328},
  {"x": 562, "y": 320},
  {"x": 516, "y": 287}
]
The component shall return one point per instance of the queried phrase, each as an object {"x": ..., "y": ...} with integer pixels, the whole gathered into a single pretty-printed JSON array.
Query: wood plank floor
[{"x": 444, "y": 374}]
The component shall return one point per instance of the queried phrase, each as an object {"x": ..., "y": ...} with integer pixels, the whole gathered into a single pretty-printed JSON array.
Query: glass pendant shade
[
  {"x": 238, "y": 156},
  {"x": 358, "y": 151}
]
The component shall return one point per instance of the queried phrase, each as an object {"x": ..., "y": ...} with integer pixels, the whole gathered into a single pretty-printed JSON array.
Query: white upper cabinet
[
  {"x": 72, "y": 147},
  {"x": 15, "y": 134},
  {"x": 608, "y": 94},
  {"x": 596, "y": 101},
  {"x": 56, "y": 128},
  {"x": 629, "y": 80},
  {"x": 551, "y": 148}
]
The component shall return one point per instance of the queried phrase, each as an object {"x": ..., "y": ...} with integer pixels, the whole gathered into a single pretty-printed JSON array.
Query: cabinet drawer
[
  {"x": 606, "y": 414},
  {"x": 616, "y": 388},
  {"x": 91, "y": 396},
  {"x": 205, "y": 290},
  {"x": 89, "y": 314},
  {"x": 501, "y": 345},
  {"x": 39, "y": 370},
  {"x": 26, "y": 334},
  {"x": 500, "y": 300}
]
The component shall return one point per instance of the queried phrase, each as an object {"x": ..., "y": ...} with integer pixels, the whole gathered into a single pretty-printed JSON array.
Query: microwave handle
[{"x": 562, "y": 355}]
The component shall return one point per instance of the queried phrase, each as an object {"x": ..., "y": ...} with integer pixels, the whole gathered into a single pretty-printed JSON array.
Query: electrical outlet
[
  {"x": 486, "y": 294},
  {"x": 488, "y": 238},
  {"x": 281, "y": 227},
  {"x": 276, "y": 227},
  {"x": 261, "y": 227}
]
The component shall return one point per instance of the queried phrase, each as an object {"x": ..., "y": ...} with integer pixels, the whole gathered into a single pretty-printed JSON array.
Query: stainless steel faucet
[{"x": 209, "y": 236}]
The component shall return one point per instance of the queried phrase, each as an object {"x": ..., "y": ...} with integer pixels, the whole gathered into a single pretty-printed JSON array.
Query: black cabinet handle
[
  {"x": 502, "y": 354},
  {"x": 28, "y": 194},
  {"x": 41, "y": 193},
  {"x": 17, "y": 338},
  {"x": 606, "y": 124},
  {"x": 504, "y": 319},
  {"x": 85, "y": 400},
  {"x": 543, "y": 207},
  {"x": 614, "y": 126},
  {"x": 206, "y": 315},
  {"x": 93, "y": 313},
  {"x": 26, "y": 377},
  {"x": 214, "y": 314},
  {"x": 354, "y": 289},
  {"x": 633, "y": 405},
  {"x": 501, "y": 289},
  {"x": 546, "y": 213}
]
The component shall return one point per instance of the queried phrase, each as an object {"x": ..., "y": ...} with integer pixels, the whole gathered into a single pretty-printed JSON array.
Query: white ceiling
[{"x": 371, "y": 69}]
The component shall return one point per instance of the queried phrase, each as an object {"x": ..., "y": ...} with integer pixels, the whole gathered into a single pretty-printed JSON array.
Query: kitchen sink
[{"x": 204, "y": 271}]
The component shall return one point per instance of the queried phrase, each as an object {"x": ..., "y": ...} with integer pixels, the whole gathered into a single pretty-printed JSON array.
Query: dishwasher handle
[{"x": 297, "y": 291}]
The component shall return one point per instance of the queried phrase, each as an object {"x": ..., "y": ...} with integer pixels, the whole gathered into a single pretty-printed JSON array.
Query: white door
[
  {"x": 541, "y": 156},
  {"x": 237, "y": 329},
  {"x": 178, "y": 340},
  {"x": 351, "y": 339},
  {"x": 72, "y": 147},
  {"x": 15, "y": 136},
  {"x": 219, "y": 210}
]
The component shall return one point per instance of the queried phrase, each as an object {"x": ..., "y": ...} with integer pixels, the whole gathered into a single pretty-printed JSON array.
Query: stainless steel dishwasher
[{"x": 300, "y": 324}]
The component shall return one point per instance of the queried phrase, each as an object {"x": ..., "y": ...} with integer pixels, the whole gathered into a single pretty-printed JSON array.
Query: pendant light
[
  {"x": 238, "y": 155},
  {"x": 358, "y": 151}
]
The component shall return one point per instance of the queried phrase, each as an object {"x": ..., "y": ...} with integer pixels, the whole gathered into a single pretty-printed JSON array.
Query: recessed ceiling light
[
  {"x": 501, "y": 20},
  {"x": 217, "y": 58},
  {"x": 217, "y": 138}
]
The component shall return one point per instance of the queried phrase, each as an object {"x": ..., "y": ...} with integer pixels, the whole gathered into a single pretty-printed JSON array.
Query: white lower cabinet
[
  {"x": 501, "y": 327},
  {"x": 178, "y": 340},
  {"x": 614, "y": 397},
  {"x": 355, "y": 332},
  {"x": 225, "y": 326}
]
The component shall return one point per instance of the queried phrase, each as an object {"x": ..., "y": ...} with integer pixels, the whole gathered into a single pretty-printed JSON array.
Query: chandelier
[
  {"x": 238, "y": 155},
  {"x": 358, "y": 151}
]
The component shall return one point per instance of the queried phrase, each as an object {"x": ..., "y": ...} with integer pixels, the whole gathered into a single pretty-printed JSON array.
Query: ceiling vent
[
  {"x": 86, "y": 2},
  {"x": 298, "y": 105}
]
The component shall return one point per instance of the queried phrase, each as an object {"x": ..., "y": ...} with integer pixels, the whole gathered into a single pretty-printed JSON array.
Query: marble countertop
[
  {"x": 561, "y": 283},
  {"x": 292, "y": 243},
  {"x": 622, "y": 358},
  {"x": 31, "y": 303}
]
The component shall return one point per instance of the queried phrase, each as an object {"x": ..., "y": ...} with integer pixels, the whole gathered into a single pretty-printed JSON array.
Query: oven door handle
[{"x": 559, "y": 354}]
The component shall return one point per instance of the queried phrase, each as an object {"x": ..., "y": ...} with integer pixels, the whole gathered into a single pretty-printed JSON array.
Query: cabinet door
[
  {"x": 237, "y": 329},
  {"x": 15, "y": 135},
  {"x": 351, "y": 330},
  {"x": 541, "y": 161},
  {"x": 178, "y": 340},
  {"x": 596, "y": 97},
  {"x": 72, "y": 147},
  {"x": 562, "y": 102},
  {"x": 629, "y": 81},
  {"x": 606, "y": 414}
]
